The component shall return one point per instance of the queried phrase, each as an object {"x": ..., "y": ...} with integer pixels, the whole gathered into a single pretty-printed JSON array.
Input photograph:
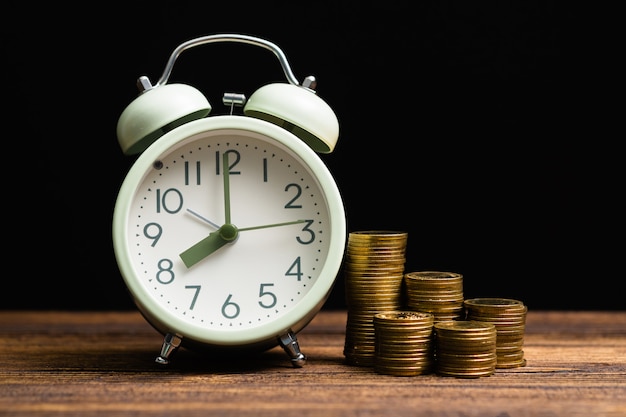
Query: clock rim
[{"x": 263, "y": 336}]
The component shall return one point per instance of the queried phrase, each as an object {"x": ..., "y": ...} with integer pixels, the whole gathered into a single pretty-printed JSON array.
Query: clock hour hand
[{"x": 225, "y": 234}]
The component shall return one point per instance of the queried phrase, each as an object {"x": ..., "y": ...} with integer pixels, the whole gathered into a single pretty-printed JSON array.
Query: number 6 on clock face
[{"x": 229, "y": 232}]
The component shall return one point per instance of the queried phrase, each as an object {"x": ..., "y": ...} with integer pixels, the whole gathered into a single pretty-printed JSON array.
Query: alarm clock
[{"x": 229, "y": 230}]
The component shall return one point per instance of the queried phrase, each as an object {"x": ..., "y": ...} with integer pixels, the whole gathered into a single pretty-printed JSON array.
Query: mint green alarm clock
[{"x": 229, "y": 230}]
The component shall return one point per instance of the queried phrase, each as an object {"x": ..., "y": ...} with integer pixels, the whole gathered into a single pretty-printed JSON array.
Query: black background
[{"x": 480, "y": 128}]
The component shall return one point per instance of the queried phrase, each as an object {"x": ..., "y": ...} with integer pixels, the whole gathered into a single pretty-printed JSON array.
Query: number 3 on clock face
[{"x": 229, "y": 231}]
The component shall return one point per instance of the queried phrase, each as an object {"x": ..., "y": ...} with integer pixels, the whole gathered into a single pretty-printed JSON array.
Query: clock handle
[
  {"x": 289, "y": 343},
  {"x": 309, "y": 82},
  {"x": 304, "y": 114},
  {"x": 163, "y": 107}
]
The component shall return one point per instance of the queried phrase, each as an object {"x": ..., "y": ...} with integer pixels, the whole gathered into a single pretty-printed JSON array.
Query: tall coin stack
[
  {"x": 373, "y": 271},
  {"x": 509, "y": 318},
  {"x": 404, "y": 343},
  {"x": 437, "y": 292},
  {"x": 465, "y": 349}
]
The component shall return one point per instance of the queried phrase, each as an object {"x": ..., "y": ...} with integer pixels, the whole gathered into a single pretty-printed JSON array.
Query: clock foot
[
  {"x": 171, "y": 342},
  {"x": 289, "y": 343}
]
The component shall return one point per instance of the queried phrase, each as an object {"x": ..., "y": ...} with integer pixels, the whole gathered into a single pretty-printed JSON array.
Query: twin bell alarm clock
[{"x": 228, "y": 230}]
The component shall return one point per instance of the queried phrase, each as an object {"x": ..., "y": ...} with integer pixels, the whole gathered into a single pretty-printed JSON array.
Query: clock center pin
[{"x": 229, "y": 232}]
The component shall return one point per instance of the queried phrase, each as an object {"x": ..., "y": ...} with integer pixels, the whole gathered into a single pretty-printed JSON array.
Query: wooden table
[{"x": 102, "y": 363}]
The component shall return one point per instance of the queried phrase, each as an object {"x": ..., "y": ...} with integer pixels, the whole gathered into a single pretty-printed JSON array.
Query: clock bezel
[{"x": 262, "y": 336}]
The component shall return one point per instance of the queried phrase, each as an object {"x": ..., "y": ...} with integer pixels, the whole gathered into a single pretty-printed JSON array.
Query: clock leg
[
  {"x": 289, "y": 343},
  {"x": 171, "y": 342}
]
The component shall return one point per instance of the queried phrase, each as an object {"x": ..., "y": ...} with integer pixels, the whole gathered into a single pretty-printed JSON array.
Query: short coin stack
[
  {"x": 437, "y": 292},
  {"x": 509, "y": 318},
  {"x": 404, "y": 343},
  {"x": 465, "y": 349},
  {"x": 373, "y": 271}
]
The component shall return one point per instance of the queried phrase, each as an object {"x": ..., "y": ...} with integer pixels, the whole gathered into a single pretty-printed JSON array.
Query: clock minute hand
[
  {"x": 226, "y": 175},
  {"x": 225, "y": 234}
]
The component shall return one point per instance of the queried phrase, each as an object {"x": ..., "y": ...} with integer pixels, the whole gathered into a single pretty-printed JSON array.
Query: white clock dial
[{"x": 275, "y": 197}]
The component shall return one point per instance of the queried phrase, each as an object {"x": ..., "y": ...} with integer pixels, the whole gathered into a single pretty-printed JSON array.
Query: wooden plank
[{"x": 101, "y": 363}]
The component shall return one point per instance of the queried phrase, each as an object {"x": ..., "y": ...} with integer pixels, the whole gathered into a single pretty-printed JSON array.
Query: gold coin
[
  {"x": 377, "y": 235},
  {"x": 495, "y": 305},
  {"x": 404, "y": 316},
  {"x": 433, "y": 275},
  {"x": 515, "y": 364},
  {"x": 465, "y": 326}
]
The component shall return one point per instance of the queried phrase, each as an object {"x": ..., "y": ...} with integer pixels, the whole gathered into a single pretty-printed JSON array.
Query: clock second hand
[{"x": 243, "y": 229}]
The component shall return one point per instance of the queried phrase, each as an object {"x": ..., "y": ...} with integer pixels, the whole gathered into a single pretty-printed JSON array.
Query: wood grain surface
[{"x": 56, "y": 363}]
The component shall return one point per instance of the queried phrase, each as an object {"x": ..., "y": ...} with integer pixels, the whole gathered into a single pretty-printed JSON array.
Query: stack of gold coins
[
  {"x": 373, "y": 270},
  {"x": 465, "y": 348},
  {"x": 404, "y": 343},
  {"x": 509, "y": 318},
  {"x": 437, "y": 292}
]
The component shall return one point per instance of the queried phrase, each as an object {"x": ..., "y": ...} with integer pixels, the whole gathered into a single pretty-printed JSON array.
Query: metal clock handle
[{"x": 309, "y": 82}]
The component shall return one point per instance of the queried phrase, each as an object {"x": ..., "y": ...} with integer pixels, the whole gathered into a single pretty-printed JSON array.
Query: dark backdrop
[{"x": 473, "y": 127}]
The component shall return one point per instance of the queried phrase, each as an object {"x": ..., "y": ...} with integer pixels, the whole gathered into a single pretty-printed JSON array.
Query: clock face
[{"x": 229, "y": 230}]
